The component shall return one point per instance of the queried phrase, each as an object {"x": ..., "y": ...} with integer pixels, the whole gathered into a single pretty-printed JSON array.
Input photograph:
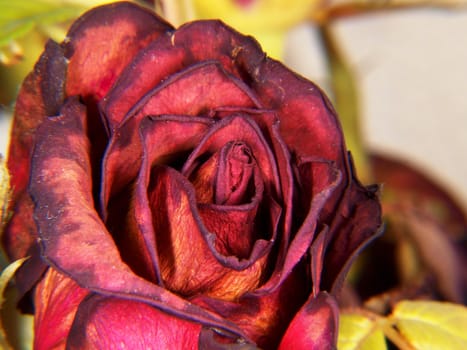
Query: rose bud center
[{"x": 234, "y": 183}]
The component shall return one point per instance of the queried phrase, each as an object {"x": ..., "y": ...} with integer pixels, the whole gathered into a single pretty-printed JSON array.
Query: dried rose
[{"x": 186, "y": 191}]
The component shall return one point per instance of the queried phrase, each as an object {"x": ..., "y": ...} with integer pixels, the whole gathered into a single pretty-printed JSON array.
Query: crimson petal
[
  {"x": 164, "y": 139},
  {"x": 98, "y": 50},
  {"x": 264, "y": 318},
  {"x": 315, "y": 325},
  {"x": 304, "y": 111},
  {"x": 41, "y": 95},
  {"x": 196, "y": 90},
  {"x": 192, "y": 91},
  {"x": 320, "y": 181},
  {"x": 57, "y": 298},
  {"x": 239, "y": 128},
  {"x": 73, "y": 238},
  {"x": 229, "y": 192},
  {"x": 189, "y": 45},
  {"x": 189, "y": 261},
  {"x": 102, "y": 322}
]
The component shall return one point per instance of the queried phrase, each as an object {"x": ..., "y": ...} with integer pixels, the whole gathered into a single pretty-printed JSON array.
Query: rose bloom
[{"x": 179, "y": 189}]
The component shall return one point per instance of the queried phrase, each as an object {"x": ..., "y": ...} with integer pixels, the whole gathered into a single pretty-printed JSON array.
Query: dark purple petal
[{"x": 41, "y": 95}]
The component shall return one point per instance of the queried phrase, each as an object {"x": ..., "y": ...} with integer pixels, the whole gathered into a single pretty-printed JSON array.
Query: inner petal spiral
[{"x": 234, "y": 177}]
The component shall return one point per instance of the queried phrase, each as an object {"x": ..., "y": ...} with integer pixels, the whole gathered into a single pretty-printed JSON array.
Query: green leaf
[
  {"x": 431, "y": 325},
  {"x": 358, "y": 332}
]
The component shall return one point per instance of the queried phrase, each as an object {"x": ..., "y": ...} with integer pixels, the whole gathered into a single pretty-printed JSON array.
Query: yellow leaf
[
  {"x": 358, "y": 332},
  {"x": 4, "y": 192},
  {"x": 431, "y": 325},
  {"x": 5, "y": 277}
]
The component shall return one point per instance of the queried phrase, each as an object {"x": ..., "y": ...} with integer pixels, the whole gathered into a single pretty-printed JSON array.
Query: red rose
[{"x": 186, "y": 191}]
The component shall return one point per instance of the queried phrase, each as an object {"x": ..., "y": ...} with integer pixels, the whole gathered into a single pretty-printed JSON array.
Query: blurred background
[{"x": 411, "y": 72}]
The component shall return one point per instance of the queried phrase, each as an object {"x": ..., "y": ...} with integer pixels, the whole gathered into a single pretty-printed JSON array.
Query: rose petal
[
  {"x": 235, "y": 174},
  {"x": 56, "y": 300},
  {"x": 20, "y": 233},
  {"x": 196, "y": 90},
  {"x": 165, "y": 139},
  {"x": 264, "y": 318},
  {"x": 221, "y": 184},
  {"x": 189, "y": 261},
  {"x": 243, "y": 232},
  {"x": 269, "y": 124},
  {"x": 317, "y": 253},
  {"x": 40, "y": 95},
  {"x": 104, "y": 323},
  {"x": 304, "y": 111},
  {"x": 212, "y": 339},
  {"x": 239, "y": 128},
  {"x": 229, "y": 177},
  {"x": 189, "y": 45},
  {"x": 309, "y": 125},
  {"x": 357, "y": 223},
  {"x": 99, "y": 50},
  {"x": 320, "y": 179},
  {"x": 315, "y": 326},
  {"x": 190, "y": 92},
  {"x": 73, "y": 238}
]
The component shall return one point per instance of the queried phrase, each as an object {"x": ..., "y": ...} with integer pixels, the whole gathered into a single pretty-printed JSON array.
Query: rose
[{"x": 186, "y": 190}]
